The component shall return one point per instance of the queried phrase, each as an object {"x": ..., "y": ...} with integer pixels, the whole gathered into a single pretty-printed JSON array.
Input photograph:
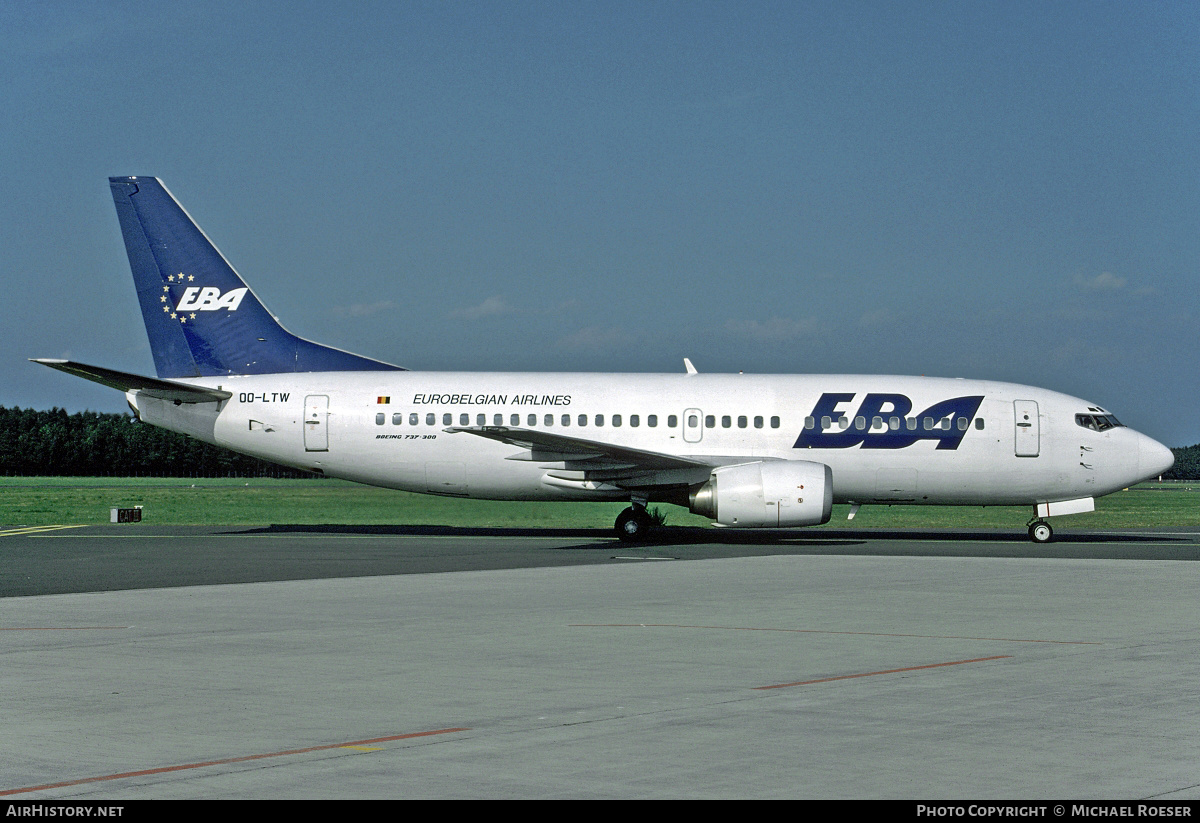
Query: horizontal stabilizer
[{"x": 152, "y": 386}]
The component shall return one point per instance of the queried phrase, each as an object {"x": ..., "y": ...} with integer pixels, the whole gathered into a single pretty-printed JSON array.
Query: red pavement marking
[
  {"x": 886, "y": 671},
  {"x": 166, "y": 769}
]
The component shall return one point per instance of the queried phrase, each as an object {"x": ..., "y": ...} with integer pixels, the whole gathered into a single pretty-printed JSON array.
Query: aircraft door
[
  {"x": 693, "y": 426},
  {"x": 316, "y": 423},
  {"x": 1028, "y": 435}
]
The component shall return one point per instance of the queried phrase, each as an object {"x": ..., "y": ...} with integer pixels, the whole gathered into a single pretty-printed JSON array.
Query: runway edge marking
[{"x": 20, "y": 530}]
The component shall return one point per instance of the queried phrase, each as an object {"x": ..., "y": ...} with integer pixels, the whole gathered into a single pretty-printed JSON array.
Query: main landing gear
[
  {"x": 1040, "y": 531},
  {"x": 634, "y": 524}
]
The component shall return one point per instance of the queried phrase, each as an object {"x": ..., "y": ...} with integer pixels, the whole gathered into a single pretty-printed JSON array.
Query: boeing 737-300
[{"x": 747, "y": 451}]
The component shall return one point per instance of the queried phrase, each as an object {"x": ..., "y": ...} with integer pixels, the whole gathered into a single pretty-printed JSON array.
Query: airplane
[{"x": 746, "y": 451}]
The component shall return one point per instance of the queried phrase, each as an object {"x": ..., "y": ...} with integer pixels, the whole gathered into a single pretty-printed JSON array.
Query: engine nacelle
[{"x": 774, "y": 494}]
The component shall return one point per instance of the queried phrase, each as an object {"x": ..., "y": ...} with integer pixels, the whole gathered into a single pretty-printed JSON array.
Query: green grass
[
  {"x": 166, "y": 501},
  {"x": 39, "y": 501}
]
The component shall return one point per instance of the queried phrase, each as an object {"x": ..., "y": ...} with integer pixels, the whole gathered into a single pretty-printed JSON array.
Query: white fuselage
[{"x": 1000, "y": 443}]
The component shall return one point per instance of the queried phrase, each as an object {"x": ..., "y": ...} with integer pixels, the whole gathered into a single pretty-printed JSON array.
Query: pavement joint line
[
  {"x": 828, "y": 631},
  {"x": 224, "y": 761},
  {"x": 59, "y": 628}
]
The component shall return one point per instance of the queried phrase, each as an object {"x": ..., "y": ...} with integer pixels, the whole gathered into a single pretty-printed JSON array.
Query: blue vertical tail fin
[{"x": 201, "y": 318}]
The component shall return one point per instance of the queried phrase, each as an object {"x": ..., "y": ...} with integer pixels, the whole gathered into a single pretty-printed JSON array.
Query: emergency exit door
[{"x": 1027, "y": 431}]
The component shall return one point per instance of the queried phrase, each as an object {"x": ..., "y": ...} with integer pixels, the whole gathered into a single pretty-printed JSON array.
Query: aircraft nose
[{"x": 1153, "y": 457}]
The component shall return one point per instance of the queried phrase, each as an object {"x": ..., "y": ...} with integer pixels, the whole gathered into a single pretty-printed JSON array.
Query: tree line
[
  {"x": 91, "y": 444},
  {"x": 1187, "y": 464}
]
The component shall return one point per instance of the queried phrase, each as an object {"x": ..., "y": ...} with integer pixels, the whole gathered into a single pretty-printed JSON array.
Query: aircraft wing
[
  {"x": 582, "y": 454},
  {"x": 152, "y": 386}
]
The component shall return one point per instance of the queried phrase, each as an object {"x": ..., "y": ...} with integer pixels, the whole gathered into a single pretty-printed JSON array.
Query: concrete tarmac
[{"x": 298, "y": 662}]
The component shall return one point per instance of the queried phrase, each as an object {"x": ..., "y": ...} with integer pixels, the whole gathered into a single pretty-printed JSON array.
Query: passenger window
[
  {"x": 826, "y": 423},
  {"x": 963, "y": 423},
  {"x": 652, "y": 420},
  {"x": 672, "y": 421},
  {"x": 758, "y": 422},
  {"x": 927, "y": 424},
  {"x": 774, "y": 422},
  {"x": 843, "y": 423},
  {"x": 599, "y": 420},
  {"x": 447, "y": 419},
  {"x": 497, "y": 420},
  {"x": 531, "y": 420},
  {"x": 379, "y": 419},
  {"x": 464, "y": 419},
  {"x": 743, "y": 421},
  {"x": 860, "y": 422},
  {"x": 894, "y": 424},
  {"x": 582, "y": 420},
  {"x": 397, "y": 419},
  {"x": 979, "y": 423},
  {"x": 910, "y": 423},
  {"x": 635, "y": 420},
  {"x": 549, "y": 420},
  {"x": 876, "y": 423},
  {"x": 710, "y": 421},
  {"x": 413, "y": 419},
  {"x": 726, "y": 421},
  {"x": 430, "y": 419},
  {"x": 566, "y": 419},
  {"x": 514, "y": 420},
  {"x": 616, "y": 420},
  {"x": 693, "y": 421}
]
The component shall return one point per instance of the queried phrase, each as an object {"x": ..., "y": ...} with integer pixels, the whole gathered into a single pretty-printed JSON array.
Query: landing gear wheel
[
  {"x": 1040, "y": 532},
  {"x": 634, "y": 525}
]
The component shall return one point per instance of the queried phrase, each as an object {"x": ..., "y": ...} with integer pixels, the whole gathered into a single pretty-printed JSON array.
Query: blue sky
[{"x": 998, "y": 190}]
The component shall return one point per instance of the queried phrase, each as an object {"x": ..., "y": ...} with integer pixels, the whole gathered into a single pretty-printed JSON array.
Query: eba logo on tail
[{"x": 209, "y": 298}]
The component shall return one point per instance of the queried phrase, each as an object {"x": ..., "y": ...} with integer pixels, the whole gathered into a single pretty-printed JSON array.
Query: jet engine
[{"x": 773, "y": 494}]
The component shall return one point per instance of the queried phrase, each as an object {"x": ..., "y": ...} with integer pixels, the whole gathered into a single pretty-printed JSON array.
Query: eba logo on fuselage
[
  {"x": 209, "y": 298},
  {"x": 940, "y": 422}
]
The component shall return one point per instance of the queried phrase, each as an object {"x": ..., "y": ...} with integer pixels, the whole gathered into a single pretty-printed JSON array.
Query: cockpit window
[{"x": 1097, "y": 422}]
